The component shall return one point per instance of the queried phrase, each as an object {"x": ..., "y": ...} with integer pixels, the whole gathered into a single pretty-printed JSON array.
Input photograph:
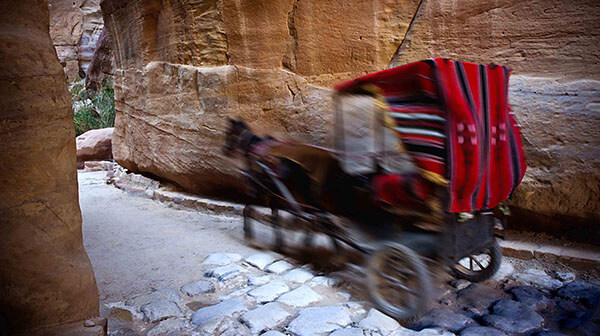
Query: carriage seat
[{"x": 409, "y": 191}]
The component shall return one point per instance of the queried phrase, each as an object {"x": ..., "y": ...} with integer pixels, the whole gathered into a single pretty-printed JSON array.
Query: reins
[
  {"x": 327, "y": 149},
  {"x": 245, "y": 146}
]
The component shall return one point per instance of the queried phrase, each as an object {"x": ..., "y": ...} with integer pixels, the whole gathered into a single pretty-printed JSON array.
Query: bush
[{"x": 91, "y": 109}]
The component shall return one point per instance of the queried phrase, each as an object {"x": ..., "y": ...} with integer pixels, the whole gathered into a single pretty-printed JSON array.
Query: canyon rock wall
[
  {"x": 542, "y": 38},
  {"x": 183, "y": 66},
  {"x": 101, "y": 66},
  {"x": 75, "y": 27},
  {"x": 553, "y": 48},
  {"x": 46, "y": 277}
]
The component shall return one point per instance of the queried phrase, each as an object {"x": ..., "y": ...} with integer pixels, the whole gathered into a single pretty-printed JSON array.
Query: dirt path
[{"x": 136, "y": 244}]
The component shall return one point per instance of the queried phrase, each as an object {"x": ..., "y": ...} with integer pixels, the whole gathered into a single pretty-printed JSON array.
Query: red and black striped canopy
[{"x": 455, "y": 121}]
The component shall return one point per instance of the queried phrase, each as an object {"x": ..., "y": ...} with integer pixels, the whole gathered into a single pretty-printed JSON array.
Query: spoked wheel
[
  {"x": 481, "y": 266},
  {"x": 251, "y": 217},
  {"x": 398, "y": 281}
]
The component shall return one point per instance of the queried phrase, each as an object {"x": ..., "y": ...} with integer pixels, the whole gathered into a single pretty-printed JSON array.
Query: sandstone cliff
[
  {"x": 182, "y": 67},
  {"x": 46, "y": 277},
  {"x": 101, "y": 66},
  {"x": 75, "y": 26},
  {"x": 553, "y": 48}
]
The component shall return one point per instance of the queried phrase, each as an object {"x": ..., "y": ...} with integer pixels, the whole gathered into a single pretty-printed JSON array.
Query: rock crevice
[{"x": 184, "y": 66}]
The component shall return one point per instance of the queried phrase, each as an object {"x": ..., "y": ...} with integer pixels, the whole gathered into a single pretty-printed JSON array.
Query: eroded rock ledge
[{"x": 183, "y": 67}]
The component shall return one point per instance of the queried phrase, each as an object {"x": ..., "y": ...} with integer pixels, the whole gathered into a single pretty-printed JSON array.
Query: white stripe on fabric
[
  {"x": 423, "y": 143},
  {"x": 425, "y": 156},
  {"x": 416, "y": 116},
  {"x": 420, "y": 131}
]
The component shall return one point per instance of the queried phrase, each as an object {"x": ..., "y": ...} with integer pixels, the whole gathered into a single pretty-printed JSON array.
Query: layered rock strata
[
  {"x": 100, "y": 69},
  {"x": 75, "y": 27},
  {"x": 182, "y": 67},
  {"x": 46, "y": 277},
  {"x": 553, "y": 48}
]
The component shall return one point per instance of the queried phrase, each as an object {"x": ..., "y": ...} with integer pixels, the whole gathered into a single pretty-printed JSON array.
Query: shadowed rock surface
[
  {"x": 75, "y": 27},
  {"x": 101, "y": 64},
  {"x": 514, "y": 318},
  {"x": 46, "y": 277},
  {"x": 445, "y": 319}
]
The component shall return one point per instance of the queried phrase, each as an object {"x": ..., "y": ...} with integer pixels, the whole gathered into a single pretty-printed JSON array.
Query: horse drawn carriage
[{"x": 423, "y": 155}]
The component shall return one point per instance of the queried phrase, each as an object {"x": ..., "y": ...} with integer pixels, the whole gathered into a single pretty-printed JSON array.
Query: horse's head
[{"x": 233, "y": 136}]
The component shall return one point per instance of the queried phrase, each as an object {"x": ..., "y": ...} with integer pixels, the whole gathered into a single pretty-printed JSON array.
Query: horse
[
  {"x": 305, "y": 170},
  {"x": 314, "y": 177}
]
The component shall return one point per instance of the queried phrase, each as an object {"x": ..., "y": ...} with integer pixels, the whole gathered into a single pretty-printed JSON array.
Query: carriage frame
[{"x": 465, "y": 244}]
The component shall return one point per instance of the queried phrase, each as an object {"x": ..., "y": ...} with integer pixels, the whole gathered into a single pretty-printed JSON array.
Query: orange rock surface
[
  {"x": 183, "y": 67},
  {"x": 46, "y": 277},
  {"x": 75, "y": 26}
]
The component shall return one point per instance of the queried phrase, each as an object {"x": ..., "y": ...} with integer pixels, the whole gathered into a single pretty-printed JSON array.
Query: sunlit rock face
[
  {"x": 542, "y": 38},
  {"x": 46, "y": 277},
  {"x": 553, "y": 48},
  {"x": 183, "y": 66},
  {"x": 75, "y": 26}
]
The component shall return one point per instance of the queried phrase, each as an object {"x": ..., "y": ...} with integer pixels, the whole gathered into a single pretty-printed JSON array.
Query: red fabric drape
[{"x": 454, "y": 120}]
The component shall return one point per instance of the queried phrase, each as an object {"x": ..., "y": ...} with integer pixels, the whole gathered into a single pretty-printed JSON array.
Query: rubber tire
[
  {"x": 495, "y": 262},
  {"x": 419, "y": 268}
]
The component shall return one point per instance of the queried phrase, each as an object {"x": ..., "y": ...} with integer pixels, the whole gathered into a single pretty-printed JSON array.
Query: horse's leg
[
  {"x": 308, "y": 233},
  {"x": 302, "y": 184},
  {"x": 336, "y": 245},
  {"x": 277, "y": 232},
  {"x": 247, "y": 214},
  {"x": 249, "y": 211}
]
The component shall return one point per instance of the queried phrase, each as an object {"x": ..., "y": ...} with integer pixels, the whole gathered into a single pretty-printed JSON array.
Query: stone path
[
  {"x": 266, "y": 294},
  {"x": 137, "y": 244},
  {"x": 156, "y": 262},
  {"x": 155, "y": 270}
]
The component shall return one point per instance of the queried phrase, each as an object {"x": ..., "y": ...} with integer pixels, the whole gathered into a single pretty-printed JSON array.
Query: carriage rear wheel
[
  {"x": 398, "y": 281},
  {"x": 480, "y": 266}
]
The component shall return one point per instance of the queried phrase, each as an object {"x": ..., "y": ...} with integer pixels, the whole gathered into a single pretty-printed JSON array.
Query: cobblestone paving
[{"x": 267, "y": 294}]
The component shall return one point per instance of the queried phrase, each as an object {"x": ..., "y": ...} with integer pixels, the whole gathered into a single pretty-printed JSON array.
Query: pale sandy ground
[{"x": 136, "y": 244}]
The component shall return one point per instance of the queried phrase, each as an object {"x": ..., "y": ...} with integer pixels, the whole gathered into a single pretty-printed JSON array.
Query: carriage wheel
[
  {"x": 481, "y": 266},
  {"x": 398, "y": 281}
]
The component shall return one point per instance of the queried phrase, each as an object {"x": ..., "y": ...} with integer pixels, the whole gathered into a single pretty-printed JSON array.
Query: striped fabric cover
[{"x": 454, "y": 120}]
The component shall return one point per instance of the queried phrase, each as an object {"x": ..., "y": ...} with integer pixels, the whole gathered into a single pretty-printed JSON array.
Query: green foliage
[
  {"x": 504, "y": 208},
  {"x": 91, "y": 109}
]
